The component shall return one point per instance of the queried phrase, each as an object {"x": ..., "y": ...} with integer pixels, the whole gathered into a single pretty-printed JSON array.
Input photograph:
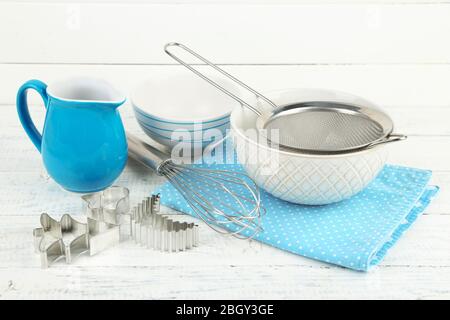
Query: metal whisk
[{"x": 220, "y": 198}]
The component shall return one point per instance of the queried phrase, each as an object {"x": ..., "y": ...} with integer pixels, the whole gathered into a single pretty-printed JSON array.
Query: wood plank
[
  {"x": 26, "y": 189},
  {"x": 422, "y": 152},
  {"x": 229, "y": 33},
  {"x": 387, "y": 85},
  {"x": 426, "y": 244},
  {"x": 277, "y": 2},
  {"x": 417, "y": 151},
  {"x": 420, "y": 121},
  {"x": 226, "y": 282},
  {"x": 23, "y": 192}
]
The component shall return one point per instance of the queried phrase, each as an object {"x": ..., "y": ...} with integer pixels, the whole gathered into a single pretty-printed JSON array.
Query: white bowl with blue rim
[
  {"x": 196, "y": 132},
  {"x": 163, "y": 125},
  {"x": 181, "y": 140},
  {"x": 182, "y": 102}
]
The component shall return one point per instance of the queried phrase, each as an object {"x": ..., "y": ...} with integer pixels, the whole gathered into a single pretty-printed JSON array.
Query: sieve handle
[
  {"x": 215, "y": 84},
  {"x": 149, "y": 156},
  {"x": 391, "y": 138}
]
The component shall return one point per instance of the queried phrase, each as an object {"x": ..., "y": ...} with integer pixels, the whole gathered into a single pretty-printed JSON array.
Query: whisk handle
[{"x": 146, "y": 154}]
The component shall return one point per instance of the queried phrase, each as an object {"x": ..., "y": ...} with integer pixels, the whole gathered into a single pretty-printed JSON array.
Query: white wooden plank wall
[
  {"x": 393, "y": 52},
  {"x": 233, "y": 34}
]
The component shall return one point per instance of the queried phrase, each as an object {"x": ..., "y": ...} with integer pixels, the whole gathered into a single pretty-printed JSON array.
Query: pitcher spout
[{"x": 86, "y": 89}]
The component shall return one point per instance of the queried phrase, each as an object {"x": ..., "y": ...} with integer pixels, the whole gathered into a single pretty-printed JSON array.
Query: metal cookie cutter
[
  {"x": 109, "y": 208},
  {"x": 142, "y": 216},
  {"x": 102, "y": 235},
  {"x": 152, "y": 229},
  {"x": 108, "y": 205},
  {"x": 60, "y": 239},
  {"x": 68, "y": 238},
  {"x": 105, "y": 212}
]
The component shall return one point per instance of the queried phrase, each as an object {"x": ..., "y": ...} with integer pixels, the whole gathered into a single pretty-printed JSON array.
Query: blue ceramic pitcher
[{"x": 83, "y": 143}]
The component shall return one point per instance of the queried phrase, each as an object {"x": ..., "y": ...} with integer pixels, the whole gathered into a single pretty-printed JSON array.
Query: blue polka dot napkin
[{"x": 355, "y": 233}]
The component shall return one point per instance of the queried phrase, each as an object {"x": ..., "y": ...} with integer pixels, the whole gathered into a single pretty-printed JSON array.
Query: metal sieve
[{"x": 319, "y": 127}]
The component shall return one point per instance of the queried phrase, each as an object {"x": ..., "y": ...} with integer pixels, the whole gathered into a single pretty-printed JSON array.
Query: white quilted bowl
[{"x": 304, "y": 178}]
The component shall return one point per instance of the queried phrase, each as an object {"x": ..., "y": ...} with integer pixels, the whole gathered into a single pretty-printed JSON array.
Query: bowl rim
[
  {"x": 239, "y": 131},
  {"x": 224, "y": 118},
  {"x": 146, "y": 81},
  {"x": 169, "y": 132},
  {"x": 183, "y": 129},
  {"x": 146, "y": 130}
]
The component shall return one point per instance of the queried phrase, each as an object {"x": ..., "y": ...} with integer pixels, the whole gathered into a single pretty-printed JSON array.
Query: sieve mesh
[{"x": 324, "y": 130}]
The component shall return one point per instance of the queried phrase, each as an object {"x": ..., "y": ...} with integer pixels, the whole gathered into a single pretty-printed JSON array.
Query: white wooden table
[{"x": 374, "y": 56}]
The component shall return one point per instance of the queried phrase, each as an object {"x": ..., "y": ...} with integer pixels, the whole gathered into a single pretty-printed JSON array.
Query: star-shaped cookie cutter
[{"x": 56, "y": 240}]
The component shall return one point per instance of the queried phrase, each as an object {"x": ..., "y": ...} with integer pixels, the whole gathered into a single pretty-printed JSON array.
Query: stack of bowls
[{"x": 181, "y": 108}]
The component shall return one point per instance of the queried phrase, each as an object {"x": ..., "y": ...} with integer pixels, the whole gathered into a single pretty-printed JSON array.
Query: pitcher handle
[{"x": 24, "y": 114}]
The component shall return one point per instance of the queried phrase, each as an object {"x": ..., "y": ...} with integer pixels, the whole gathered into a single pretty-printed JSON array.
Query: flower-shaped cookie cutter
[
  {"x": 56, "y": 240},
  {"x": 109, "y": 205}
]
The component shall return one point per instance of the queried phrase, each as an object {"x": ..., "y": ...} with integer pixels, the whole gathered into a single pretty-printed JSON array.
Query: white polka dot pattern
[{"x": 354, "y": 233}]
